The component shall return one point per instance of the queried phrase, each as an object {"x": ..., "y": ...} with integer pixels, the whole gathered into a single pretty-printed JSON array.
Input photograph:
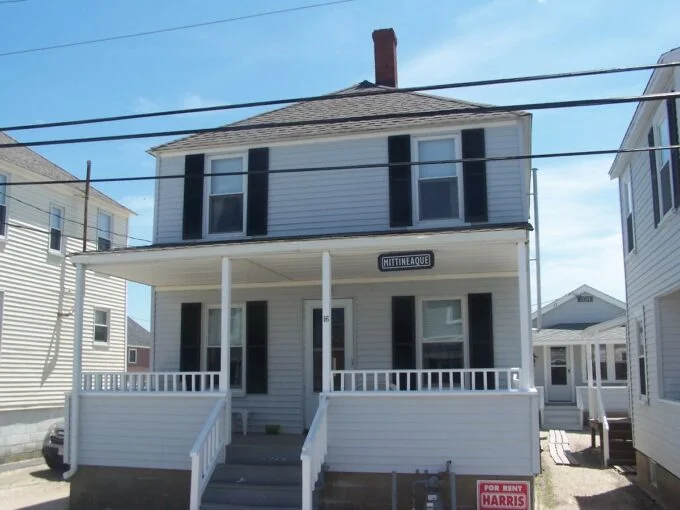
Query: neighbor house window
[
  {"x": 56, "y": 228},
  {"x": 442, "y": 343},
  {"x": 104, "y": 230},
  {"x": 620, "y": 362},
  {"x": 237, "y": 342},
  {"x": 101, "y": 325},
  {"x": 226, "y": 196},
  {"x": 642, "y": 353},
  {"x": 3, "y": 206},
  {"x": 438, "y": 184},
  {"x": 132, "y": 356},
  {"x": 628, "y": 218},
  {"x": 603, "y": 362},
  {"x": 613, "y": 363},
  {"x": 663, "y": 166}
]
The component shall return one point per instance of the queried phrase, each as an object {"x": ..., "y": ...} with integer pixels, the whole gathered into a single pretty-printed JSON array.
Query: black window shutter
[
  {"x": 399, "y": 151},
  {"x": 675, "y": 153},
  {"x": 480, "y": 326},
  {"x": 256, "y": 346},
  {"x": 192, "y": 224},
  {"x": 190, "y": 338},
  {"x": 655, "y": 182},
  {"x": 474, "y": 176},
  {"x": 258, "y": 191},
  {"x": 404, "y": 337}
]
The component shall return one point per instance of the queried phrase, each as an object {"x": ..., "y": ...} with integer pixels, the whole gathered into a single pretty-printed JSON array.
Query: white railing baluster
[
  {"x": 439, "y": 376},
  {"x": 314, "y": 452},
  {"x": 150, "y": 382},
  {"x": 497, "y": 380}
]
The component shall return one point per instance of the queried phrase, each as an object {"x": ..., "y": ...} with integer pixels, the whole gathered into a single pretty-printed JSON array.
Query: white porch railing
[
  {"x": 208, "y": 448},
  {"x": 150, "y": 382},
  {"x": 314, "y": 452},
  {"x": 470, "y": 379},
  {"x": 602, "y": 416}
]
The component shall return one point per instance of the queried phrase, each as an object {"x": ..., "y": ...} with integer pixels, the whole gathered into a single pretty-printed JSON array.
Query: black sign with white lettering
[{"x": 405, "y": 261}]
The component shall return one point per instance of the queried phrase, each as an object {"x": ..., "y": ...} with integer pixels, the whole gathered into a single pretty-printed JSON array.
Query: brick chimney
[{"x": 385, "y": 49}]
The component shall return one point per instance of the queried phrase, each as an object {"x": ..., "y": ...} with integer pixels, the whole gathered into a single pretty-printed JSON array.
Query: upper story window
[
  {"x": 664, "y": 176},
  {"x": 226, "y": 195},
  {"x": 56, "y": 228},
  {"x": 628, "y": 217},
  {"x": 3, "y": 206},
  {"x": 104, "y": 230},
  {"x": 438, "y": 185}
]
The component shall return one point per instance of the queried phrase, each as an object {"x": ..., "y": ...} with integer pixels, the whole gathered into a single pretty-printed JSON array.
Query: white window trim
[
  {"x": 98, "y": 231},
  {"x": 3, "y": 236},
  {"x": 236, "y": 392},
  {"x": 640, "y": 317},
  {"x": 611, "y": 364},
  {"x": 108, "y": 326},
  {"x": 419, "y": 327},
  {"x": 62, "y": 241},
  {"x": 130, "y": 351},
  {"x": 206, "y": 194},
  {"x": 657, "y": 123},
  {"x": 456, "y": 136},
  {"x": 627, "y": 184}
]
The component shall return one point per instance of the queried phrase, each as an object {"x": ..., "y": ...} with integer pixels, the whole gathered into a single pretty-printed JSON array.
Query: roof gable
[
  {"x": 349, "y": 102},
  {"x": 563, "y": 312}
]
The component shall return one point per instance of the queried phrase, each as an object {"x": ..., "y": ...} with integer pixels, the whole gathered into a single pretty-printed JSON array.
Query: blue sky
[{"x": 325, "y": 49}]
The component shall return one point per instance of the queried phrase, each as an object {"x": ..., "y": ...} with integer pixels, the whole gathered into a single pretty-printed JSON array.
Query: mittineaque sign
[
  {"x": 405, "y": 261},
  {"x": 502, "y": 495}
]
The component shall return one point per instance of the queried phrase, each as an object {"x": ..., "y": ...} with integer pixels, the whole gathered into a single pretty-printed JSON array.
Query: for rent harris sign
[
  {"x": 405, "y": 261},
  {"x": 502, "y": 495}
]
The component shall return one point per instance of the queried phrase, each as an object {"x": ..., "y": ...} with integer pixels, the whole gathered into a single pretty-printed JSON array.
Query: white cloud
[{"x": 148, "y": 105}]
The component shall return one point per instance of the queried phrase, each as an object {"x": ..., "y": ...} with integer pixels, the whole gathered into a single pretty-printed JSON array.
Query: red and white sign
[{"x": 502, "y": 495}]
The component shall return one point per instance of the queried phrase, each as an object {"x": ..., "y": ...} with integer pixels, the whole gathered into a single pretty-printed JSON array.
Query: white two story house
[
  {"x": 322, "y": 286},
  {"x": 649, "y": 184},
  {"x": 39, "y": 226}
]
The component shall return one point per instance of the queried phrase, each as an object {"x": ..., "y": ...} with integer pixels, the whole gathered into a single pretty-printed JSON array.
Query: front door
[
  {"x": 342, "y": 341},
  {"x": 559, "y": 374}
]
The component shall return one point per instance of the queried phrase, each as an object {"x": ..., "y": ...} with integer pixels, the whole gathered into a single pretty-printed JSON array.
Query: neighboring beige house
[{"x": 39, "y": 226}]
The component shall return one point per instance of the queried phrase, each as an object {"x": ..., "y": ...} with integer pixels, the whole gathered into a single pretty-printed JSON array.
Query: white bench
[{"x": 244, "y": 413}]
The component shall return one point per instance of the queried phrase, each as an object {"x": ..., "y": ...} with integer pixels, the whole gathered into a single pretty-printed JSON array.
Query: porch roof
[{"x": 464, "y": 252}]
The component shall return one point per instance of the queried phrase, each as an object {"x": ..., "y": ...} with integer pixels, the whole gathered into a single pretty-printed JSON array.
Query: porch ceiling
[{"x": 296, "y": 265}]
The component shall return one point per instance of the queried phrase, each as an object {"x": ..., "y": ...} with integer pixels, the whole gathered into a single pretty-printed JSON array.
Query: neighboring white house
[
  {"x": 39, "y": 226},
  {"x": 649, "y": 185},
  {"x": 381, "y": 307}
]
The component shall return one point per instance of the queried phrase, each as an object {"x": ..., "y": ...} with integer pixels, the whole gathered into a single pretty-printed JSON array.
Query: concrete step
[
  {"x": 283, "y": 474},
  {"x": 253, "y": 495},
  {"x": 263, "y": 455}
]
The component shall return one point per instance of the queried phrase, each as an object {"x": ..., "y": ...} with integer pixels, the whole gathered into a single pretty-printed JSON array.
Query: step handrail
[
  {"x": 210, "y": 443},
  {"x": 314, "y": 452},
  {"x": 602, "y": 416}
]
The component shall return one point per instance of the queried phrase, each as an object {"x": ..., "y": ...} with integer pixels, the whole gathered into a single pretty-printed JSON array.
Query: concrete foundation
[
  {"x": 657, "y": 481},
  {"x": 22, "y": 432},
  {"x": 116, "y": 488},
  {"x": 373, "y": 491}
]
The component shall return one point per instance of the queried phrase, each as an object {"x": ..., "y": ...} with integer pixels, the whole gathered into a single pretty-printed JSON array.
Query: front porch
[{"x": 314, "y": 338}]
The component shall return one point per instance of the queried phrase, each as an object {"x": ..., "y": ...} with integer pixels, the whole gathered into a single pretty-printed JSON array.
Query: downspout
[
  {"x": 537, "y": 252},
  {"x": 77, "y": 371}
]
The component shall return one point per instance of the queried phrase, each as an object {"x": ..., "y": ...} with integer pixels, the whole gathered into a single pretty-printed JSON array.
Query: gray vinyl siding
[
  {"x": 408, "y": 432},
  {"x": 38, "y": 288},
  {"x": 582, "y": 313},
  {"x": 142, "y": 431},
  {"x": 372, "y": 339},
  {"x": 343, "y": 201},
  {"x": 652, "y": 270}
]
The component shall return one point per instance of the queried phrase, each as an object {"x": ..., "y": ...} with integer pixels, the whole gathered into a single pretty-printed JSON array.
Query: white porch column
[
  {"x": 598, "y": 368},
  {"x": 326, "y": 311},
  {"x": 591, "y": 387},
  {"x": 524, "y": 316},
  {"x": 76, "y": 381},
  {"x": 225, "y": 325}
]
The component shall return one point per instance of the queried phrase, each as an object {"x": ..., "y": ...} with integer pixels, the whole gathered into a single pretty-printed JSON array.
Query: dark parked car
[{"x": 53, "y": 447}]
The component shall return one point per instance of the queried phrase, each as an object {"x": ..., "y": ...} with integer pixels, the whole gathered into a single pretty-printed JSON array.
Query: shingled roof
[
  {"x": 25, "y": 158},
  {"x": 338, "y": 106}
]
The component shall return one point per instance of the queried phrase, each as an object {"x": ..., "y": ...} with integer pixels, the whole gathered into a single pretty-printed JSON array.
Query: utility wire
[
  {"x": 476, "y": 110},
  {"x": 170, "y": 29},
  {"x": 76, "y": 222},
  {"x": 363, "y": 166},
  {"x": 326, "y": 97}
]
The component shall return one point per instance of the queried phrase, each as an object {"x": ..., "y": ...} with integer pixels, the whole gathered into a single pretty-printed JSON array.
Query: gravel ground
[
  {"x": 33, "y": 488},
  {"x": 588, "y": 486}
]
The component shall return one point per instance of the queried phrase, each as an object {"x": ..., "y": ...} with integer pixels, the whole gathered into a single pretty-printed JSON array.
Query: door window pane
[
  {"x": 337, "y": 344},
  {"x": 558, "y": 366}
]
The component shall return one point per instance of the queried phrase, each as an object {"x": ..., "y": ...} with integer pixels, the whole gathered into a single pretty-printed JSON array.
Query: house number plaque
[{"x": 406, "y": 261}]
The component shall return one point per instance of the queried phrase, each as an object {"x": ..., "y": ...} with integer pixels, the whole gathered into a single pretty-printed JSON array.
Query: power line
[
  {"x": 169, "y": 29},
  {"x": 76, "y": 222},
  {"x": 476, "y": 110},
  {"x": 363, "y": 166},
  {"x": 326, "y": 97}
]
